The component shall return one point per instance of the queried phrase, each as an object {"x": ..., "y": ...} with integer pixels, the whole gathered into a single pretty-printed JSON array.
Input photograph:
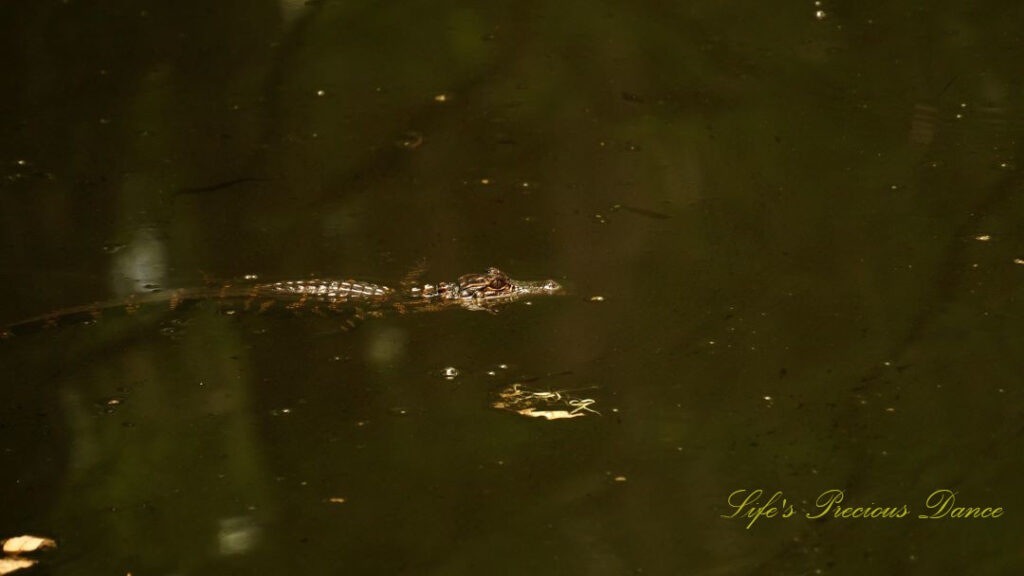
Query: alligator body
[{"x": 488, "y": 291}]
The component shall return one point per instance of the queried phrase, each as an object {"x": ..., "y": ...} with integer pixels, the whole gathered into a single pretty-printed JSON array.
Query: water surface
[{"x": 803, "y": 224}]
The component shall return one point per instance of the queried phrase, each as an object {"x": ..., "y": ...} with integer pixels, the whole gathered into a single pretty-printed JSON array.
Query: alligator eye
[{"x": 498, "y": 283}]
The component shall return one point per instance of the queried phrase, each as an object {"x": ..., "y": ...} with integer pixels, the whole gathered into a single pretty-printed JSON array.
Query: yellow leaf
[
  {"x": 22, "y": 544},
  {"x": 8, "y": 565}
]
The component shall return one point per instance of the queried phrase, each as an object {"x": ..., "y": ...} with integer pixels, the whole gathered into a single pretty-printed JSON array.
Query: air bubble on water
[
  {"x": 110, "y": 405},
  {"x": 410, "y": 140}
]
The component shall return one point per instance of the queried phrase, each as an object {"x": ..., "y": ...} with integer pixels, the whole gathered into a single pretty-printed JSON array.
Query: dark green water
[{"x": 804, "y": 230}]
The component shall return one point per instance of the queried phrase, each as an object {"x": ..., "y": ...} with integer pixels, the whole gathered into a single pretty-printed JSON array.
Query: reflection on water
[
  {"x": 387, "y": 346},
  {"x": 793, "y": 240},
  {"x": 141, "y": 265},
  {"x": 237, "y": 535}
]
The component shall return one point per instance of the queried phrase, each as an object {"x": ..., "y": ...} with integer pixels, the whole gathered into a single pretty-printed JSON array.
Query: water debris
[
  {"x": 641, "y": 211},
  {"x": 450, "y": 373},
  {"x": 597, "y": 298},
  {"x": 983, "y": 237},
  {"x": 1019, "y": 261},
  {"x": 441, "y": 98},
  {"x": 336, "y": 500},
  {"x": 548, "y": 414},
  {"x": 819, "y": 13},
  {"x": 24, "y": 544},
  {"x": 546, "y": 404},
  {"x": 411, "y": 140},
  {"x": 8, "y": 565}
]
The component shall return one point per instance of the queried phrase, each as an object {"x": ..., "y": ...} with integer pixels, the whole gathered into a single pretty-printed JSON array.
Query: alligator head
[{"x": 486, "y": 291}]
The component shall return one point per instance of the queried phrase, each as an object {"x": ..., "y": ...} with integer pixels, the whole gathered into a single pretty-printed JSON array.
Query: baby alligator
[{"x": 487, "y": 291}]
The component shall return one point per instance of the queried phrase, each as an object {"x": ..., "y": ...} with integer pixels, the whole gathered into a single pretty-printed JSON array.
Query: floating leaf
[
  {"x": 8, "y": 565},
  {"x": 549, "y": 414},
  {"x": 23, "y": 544},
  {"x": 543, "y": 403}
]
